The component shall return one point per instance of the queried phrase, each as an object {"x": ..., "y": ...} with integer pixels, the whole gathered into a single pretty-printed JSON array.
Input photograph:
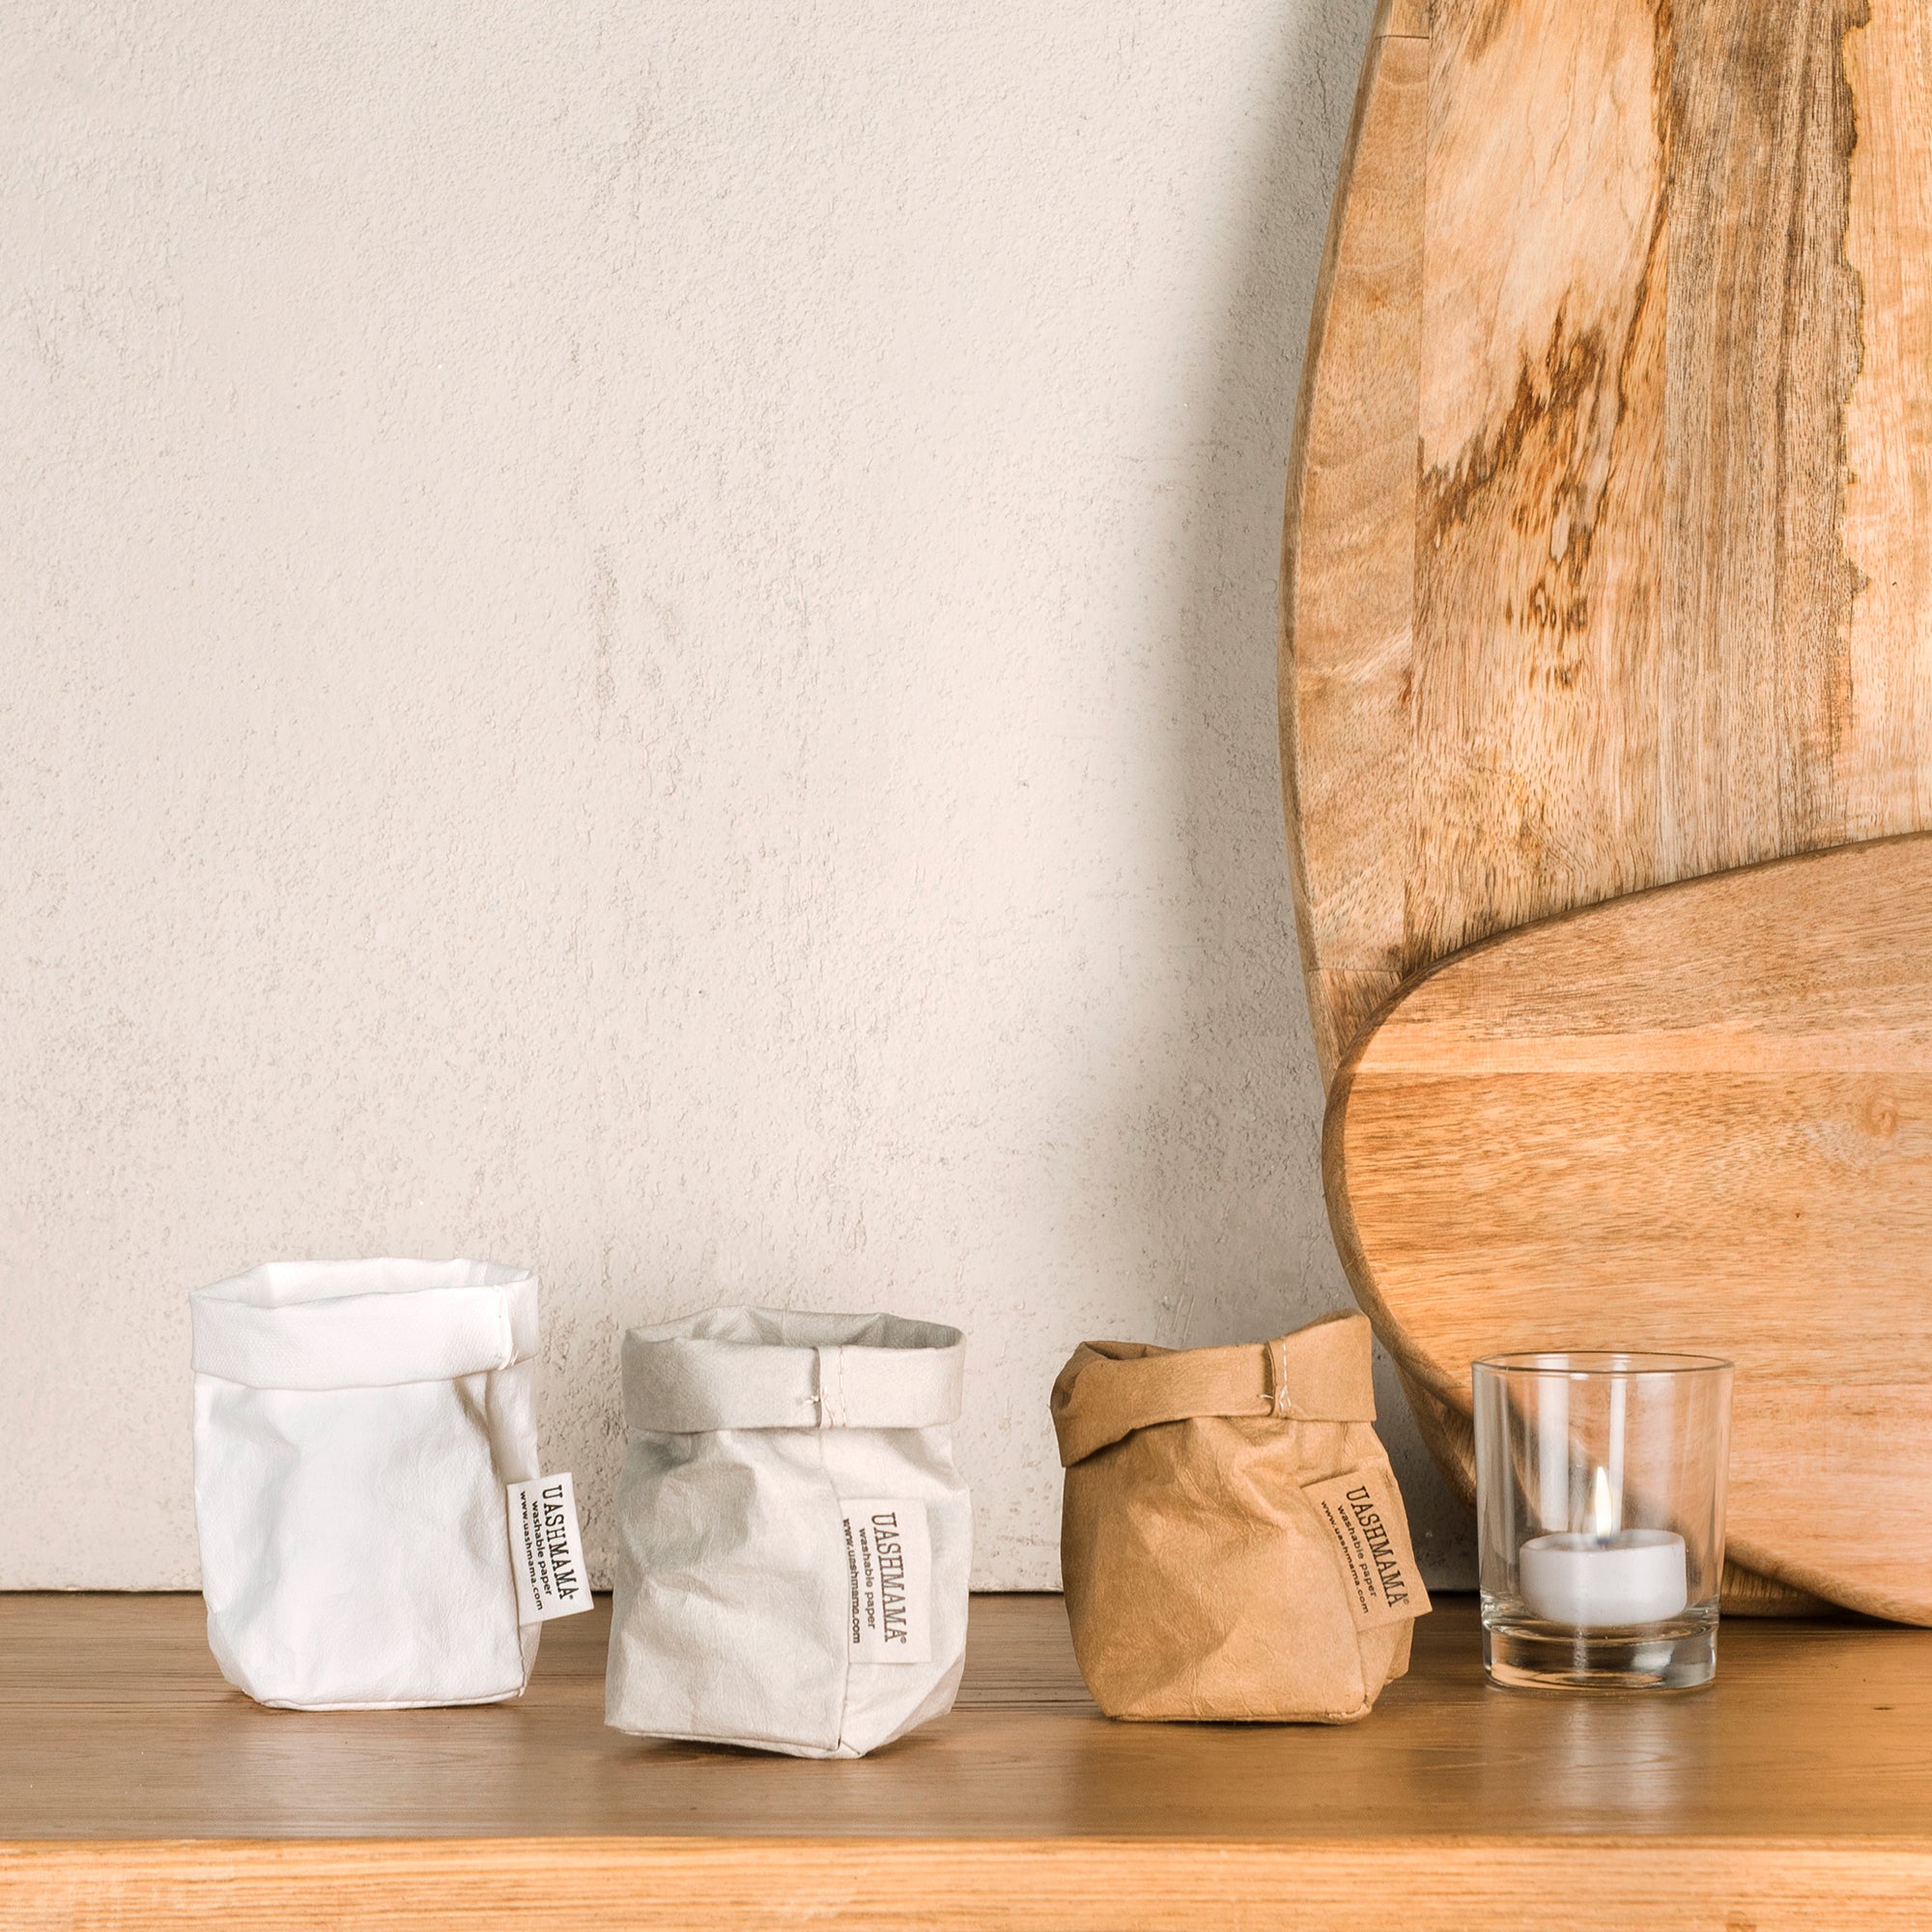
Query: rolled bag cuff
[
  {"x": 689, "y": 1385},
  {"x": 1324, "y": 1372},
  {"x": 368, "y": 1340}
]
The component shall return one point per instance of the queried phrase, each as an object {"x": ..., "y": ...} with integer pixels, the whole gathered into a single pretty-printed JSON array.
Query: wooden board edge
[
  {"x": 1849, "y": 853},
  {"x": 1813, "y": 1585},
  {"x": 1590, "y": 1884},
  {"x": 1402, "y": 21},
  {"x": 1419, "y": 1374}
]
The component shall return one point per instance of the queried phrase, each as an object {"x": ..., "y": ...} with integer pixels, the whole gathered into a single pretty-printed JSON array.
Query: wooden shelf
[{"x": 136, "y": 1789}]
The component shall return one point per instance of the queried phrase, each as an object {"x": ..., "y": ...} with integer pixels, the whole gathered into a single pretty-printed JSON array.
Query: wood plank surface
[
  {"x": 137, "y": 1790},
  {"x": 1030, "y": 1885},
  {"x": 1698, "y": 1119}
]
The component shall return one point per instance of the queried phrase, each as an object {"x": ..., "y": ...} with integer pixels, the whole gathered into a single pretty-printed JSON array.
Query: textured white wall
[{"x": 639, "y": 637}]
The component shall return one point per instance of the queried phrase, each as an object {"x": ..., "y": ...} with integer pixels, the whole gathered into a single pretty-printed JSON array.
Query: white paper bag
[
  {"x": 794, "y": 1539},
  {"x": 355, "y": 1424}
]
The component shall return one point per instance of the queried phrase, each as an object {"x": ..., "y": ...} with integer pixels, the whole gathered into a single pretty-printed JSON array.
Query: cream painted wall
[{"x": 638, "y": 637}]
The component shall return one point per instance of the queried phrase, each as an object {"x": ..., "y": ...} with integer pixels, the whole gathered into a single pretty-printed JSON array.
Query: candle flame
[{"x": 1604, "y": 1510}]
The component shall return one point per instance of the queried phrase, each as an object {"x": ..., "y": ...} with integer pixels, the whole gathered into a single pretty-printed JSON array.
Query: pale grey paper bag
[{"x": 794, "y": 1539}]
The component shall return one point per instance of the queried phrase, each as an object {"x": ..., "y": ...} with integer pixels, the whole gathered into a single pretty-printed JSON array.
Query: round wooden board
[
  {"x": 1697, "y": 1118},
  {"x": 1608, "y": 557},
  {"x": 1609, "y": 554}
]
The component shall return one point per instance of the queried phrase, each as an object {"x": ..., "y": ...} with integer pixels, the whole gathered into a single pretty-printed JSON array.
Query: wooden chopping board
[
  {"x": 1609, "y": 556},
  {"x": 1698, "y": 1119},
  {"x": 1608, "y": 548}
]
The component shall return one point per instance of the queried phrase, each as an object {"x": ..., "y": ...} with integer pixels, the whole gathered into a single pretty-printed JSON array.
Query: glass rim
[{"x": 1580, "y": 1364}]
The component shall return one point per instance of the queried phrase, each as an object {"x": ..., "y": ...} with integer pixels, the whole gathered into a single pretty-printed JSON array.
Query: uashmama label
[
  {"x": 1363, "y": 1512},
  {"x": 889, "y": 1581},
  {"x": 546, "y": 1550}
]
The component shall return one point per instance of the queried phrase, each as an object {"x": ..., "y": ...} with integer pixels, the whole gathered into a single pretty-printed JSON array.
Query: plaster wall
[{"x": 639, "y": 637}]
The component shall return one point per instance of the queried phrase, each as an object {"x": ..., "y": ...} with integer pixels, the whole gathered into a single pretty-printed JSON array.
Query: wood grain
[
  {"x": 137, "y": 1790},
  {"x": 1532, "y": 757},
  {"x": 1646, "y": 289},
  {"x": 1030, "y": 1885},
  {"x": 1764, "y": 351},
  {"x": 1645, "y": 286},
  {"x": 1696, "y": 1119},
  {"x": 1349, "y": 549},
  {"x": 1887, "y": 516}
]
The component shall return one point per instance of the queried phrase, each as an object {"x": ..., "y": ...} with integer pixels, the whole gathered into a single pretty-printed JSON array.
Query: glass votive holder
[{"x": 1600, "y": 1508}]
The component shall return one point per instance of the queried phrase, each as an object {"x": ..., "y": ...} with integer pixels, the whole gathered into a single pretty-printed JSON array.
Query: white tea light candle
[{"x": 1603, "y": 1582}]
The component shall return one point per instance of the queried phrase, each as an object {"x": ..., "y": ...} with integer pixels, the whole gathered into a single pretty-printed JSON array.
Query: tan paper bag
[{"x": 1234, "y": 1544}]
